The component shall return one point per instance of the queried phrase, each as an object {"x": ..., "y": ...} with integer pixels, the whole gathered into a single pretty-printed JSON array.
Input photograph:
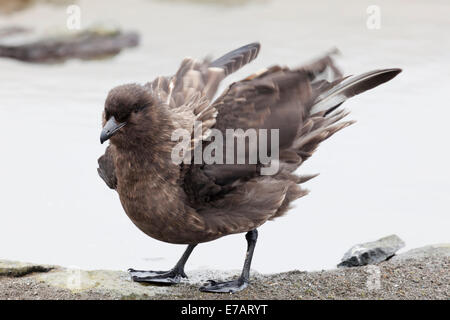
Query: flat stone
[
  {"x": 116, "y": 284},
  {"x": 19, "y": 269},
  {"x": 372, "y": 252},
  {"x": 441, "y": 250}
]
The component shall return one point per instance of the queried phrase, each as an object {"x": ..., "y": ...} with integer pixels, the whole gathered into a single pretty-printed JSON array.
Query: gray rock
[
  {"x": 372, "y": 252},
  {"x": 441, "y": 250}
]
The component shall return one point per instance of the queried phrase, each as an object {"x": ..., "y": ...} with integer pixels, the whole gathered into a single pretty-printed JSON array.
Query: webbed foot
[
  {"x": 161, "y": 277},
  {"x": 225, "y": 287}
]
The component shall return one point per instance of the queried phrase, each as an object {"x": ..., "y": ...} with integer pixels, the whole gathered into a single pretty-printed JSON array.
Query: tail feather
[
  {"x": 352, "y": 86},
  {"x": 323, "y": 120},
  {"x": 236, "y": 59}
]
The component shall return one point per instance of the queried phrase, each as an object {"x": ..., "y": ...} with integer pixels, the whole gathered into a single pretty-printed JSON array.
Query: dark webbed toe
[
  {"x": 225, "y": 287},
  {"x": 160, "y": 277}
]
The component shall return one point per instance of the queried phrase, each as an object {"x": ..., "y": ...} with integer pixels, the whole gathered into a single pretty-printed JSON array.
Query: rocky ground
[{"x": 422, "y": 273}]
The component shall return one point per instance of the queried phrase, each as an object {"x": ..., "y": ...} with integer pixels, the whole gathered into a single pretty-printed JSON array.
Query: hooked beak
[{"x": 110, "y": 129}]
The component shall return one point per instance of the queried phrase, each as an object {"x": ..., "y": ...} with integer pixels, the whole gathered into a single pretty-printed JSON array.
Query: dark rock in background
[
  {"x": 91, "y": 43},
  {"x": 372, "y": 252},
  {"x": 13, "y": 6},
  {"x": 12, "y": 30}
]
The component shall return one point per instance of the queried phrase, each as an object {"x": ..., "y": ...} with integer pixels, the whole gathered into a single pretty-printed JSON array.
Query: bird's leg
[
  {"x": 172, "y": 276},
  {"x": 242, "y": 282}
]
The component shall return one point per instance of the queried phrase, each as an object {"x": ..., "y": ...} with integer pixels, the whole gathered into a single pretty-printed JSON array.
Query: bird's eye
[
  {"x": 121, "y": 118},
  {"x": 137, "y": 108}
]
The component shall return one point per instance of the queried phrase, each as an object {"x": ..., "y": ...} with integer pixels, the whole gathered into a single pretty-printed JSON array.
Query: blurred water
[{"x": 386, "y": 174}]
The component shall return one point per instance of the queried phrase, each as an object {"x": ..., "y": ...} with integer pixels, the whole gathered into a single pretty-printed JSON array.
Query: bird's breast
[{"x": 159, "y": 210}]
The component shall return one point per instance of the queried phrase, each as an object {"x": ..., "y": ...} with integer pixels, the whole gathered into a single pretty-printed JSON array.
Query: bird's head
[{"x": 130, "y": 112}]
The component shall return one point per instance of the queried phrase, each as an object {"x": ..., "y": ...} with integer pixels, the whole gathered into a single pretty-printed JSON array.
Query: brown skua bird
[{"x": 199, "y": 202}]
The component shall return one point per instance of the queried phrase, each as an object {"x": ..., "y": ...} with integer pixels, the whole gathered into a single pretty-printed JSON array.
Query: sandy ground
[{"x": 415, "y": 278}]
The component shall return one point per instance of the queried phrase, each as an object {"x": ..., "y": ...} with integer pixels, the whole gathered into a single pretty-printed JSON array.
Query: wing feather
[{"x": 303, "y": 106}]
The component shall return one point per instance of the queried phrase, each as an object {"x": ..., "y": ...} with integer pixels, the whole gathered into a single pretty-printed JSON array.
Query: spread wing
[
  {"x": 300, "y": 103},
  {"x": 204, "y": 76},
  {"x": 302, "y": 107},
  {"x": 189, "y": 92},
  {"x": 274, "y": 98}
]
